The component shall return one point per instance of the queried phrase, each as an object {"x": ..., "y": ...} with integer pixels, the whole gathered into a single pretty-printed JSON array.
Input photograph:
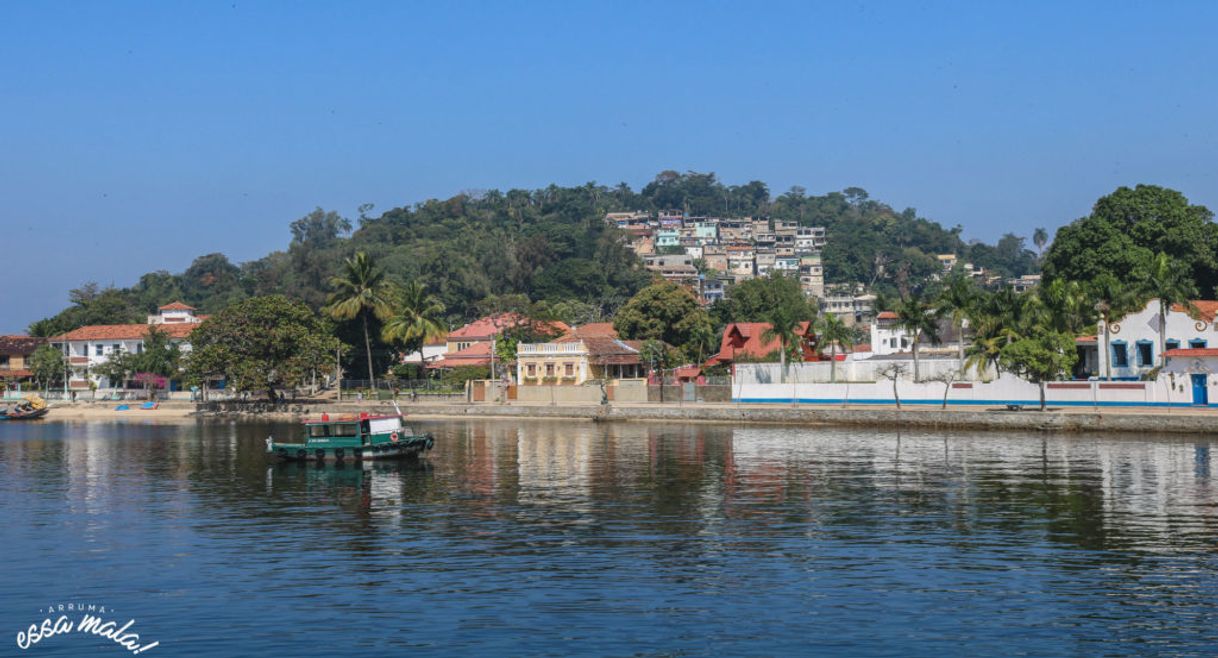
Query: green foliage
[
  {"x": 1042, "y": 355},
  {"x": 456, "y": 377},
  {"x": 359, "y": 292},
  {"x": 549, "y": 245},
  {"x": 666, "y": 312},
  {"x": 413, "y": 317},
  {"x": 919, "y": 317},
  {"x": 755, "y": 300},
  {"x": 1125, "y": 231},
  {"x": 833, "y": 335},
  {"x": 1169, "y": 281},
  {"x": 47, "y": 366},
  {"x": 262, "y": 344},
  {"x": 91, "y": 304}
]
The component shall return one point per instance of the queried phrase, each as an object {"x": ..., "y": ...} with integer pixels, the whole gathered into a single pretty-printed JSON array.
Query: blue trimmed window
[
  {"x": 1146, "y": 353},
  {"x": 1197, "y": 343},
  {"x": 1173, "y": 344},
  {"x": 1120, "y": 356}
]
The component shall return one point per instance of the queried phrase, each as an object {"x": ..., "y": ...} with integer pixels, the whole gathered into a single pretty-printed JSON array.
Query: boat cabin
[{"x": 352, "y": 430}]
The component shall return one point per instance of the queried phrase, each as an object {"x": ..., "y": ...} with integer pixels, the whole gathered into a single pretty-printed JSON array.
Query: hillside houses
[{"x": 731, "y": 250}]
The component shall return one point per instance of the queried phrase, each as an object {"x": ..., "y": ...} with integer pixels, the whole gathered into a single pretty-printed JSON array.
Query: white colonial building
[
  {"x": 90, "y": 346},
  {"x": 1135, "y": 345}
]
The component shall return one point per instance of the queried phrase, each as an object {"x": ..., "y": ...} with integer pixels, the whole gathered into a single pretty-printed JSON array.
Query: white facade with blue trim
[{"x": 1135, "y": 347}]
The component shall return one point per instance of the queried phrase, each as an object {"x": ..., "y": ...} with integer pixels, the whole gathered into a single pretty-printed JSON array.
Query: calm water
[{"x": 632, "y": 539}]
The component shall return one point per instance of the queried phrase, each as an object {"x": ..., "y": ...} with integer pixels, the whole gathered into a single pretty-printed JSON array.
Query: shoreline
[{"x": 1065, "y": 419}]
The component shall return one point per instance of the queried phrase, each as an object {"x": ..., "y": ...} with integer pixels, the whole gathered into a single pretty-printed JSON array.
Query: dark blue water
[{"x": 632, "y": 539}]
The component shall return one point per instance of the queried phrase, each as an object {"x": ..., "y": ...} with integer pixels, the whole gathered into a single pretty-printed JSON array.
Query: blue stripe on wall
[{"x": 950, "y": 402}]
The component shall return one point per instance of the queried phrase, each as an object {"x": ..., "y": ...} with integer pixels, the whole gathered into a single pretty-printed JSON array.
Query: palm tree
[
  {"x": 784, "y": 326},
  {"x": 1171, "y": 283},
  {"x": 1066, "y": 307},
  {"x": 956, "y": 300},
  {"x": 1040, "y": 238},
  {"x": 918, "y": 317},
  {"x": 831, "y": 331},
  {"x": 995, "y": 320},
  {"x": 1115, "y": 300},
  {"x": 359, "y": 290},
  {"x": 414, "y": 317}
]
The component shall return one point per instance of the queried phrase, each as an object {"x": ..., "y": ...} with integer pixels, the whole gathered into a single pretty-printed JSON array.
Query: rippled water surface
[{"x": 564, "y": 538}]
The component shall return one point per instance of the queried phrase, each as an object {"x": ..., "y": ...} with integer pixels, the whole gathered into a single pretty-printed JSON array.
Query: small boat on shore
[
  {"x": 354, "y": 437},
  {"x": 31, "y": 407}
]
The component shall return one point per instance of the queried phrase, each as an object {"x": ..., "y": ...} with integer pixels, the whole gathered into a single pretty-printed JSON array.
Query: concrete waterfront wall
[
  {"x": 1167, "y": 391},
  {"x": 1143, "y": 421},
  {"x": 1149, "y": 422}
]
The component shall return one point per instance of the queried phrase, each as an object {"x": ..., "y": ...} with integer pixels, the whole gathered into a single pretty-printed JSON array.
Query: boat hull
[
  {"x": 405, "y": 448},
  {"x": 33, "y": 415}
]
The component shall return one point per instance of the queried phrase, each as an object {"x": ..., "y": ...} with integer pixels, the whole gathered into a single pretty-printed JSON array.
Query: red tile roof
[
  {"x": 19, "y": 344},
  {"x": 603, "y": 350},
  {"x": 1192, "y": 352},
  {"x": 886, "y": 315},
  {"x": 493, "y": 325},
  {"x": 15, "y": 373},
  {"x": 1207, "y": 309},
  {"x": 746, "y": 339},
  {"x": 125, "y": 331},
  {"x": 175, "y": 306},
  {"x": 478, "y": 354},
  {"x": 590, "y": 330}
]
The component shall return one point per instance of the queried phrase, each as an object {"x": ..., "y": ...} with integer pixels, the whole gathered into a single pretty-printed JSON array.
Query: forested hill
[{"x": 487, "y": 250}]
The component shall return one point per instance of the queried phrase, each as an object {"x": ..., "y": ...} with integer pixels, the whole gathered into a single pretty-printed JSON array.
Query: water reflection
[{"x": 620, "y": 538}]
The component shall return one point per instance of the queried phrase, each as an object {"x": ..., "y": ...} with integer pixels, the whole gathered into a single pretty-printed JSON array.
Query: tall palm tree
[
  {"x": 996, "y": 320},
  {"x": 784, "y": 326},
  {"x": 414, "y": 317},
  {"x": 1040, "y": 238},
  {"x": 918, "y": 317},
  {"x": 1114, "y": 300},
  {"x": 832, "y": 332},
  {"x": 956, "y": 301},
  {"x": 360, "y": 290},
  {"x": 1066, "y": 306},
  {"x": 1171, "y": 283}
]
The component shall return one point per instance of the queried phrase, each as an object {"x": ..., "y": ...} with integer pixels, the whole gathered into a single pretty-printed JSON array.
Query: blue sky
[{"x": 137, "y": 136}]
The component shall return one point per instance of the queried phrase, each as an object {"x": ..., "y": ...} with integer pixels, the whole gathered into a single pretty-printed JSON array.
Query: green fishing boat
[{"x": 355, "y": 437}]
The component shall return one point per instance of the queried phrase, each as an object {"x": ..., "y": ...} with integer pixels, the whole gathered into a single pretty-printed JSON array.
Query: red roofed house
[
  {"x": 93, "y": 345},
  {"x": 745, "y": 341},
  {"x": 15, "y": 352},
  {"x": 471, "y": 345}
]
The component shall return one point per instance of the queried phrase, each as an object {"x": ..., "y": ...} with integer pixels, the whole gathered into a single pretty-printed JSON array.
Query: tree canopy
[
  {"x": 670, "y": 313},
  {"x": 1127, "y": 228},
  {"x": 262, "y": 344}
]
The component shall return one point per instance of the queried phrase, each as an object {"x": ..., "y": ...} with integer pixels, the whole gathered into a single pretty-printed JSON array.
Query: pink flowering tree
[{"x": 151, "y": 382}]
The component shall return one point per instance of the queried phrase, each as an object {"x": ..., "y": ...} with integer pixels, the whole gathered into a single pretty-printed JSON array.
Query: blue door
[{"x": 1200, "y": 394}]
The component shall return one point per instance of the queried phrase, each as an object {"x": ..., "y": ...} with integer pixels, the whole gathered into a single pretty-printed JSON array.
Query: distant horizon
[{"x": 140, "y": 135}]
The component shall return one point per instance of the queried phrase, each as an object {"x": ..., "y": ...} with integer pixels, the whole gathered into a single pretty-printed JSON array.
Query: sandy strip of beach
[{"x": 166, "y": 412}]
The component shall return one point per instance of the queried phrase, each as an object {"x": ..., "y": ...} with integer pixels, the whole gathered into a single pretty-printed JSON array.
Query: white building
[
  {"x": 88, "y": 347},
  {"x": 887, "y": 337},
  {"x": 1195, "y": 370},
  {"x": 1135, "y": 342}
]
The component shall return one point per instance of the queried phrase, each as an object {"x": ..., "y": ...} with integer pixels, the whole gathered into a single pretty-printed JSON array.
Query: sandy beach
[{"x": 167, "y": 412}]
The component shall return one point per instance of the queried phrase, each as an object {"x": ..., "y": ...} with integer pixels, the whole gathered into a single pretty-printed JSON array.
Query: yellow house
[{"x": 575, "y": 361}]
